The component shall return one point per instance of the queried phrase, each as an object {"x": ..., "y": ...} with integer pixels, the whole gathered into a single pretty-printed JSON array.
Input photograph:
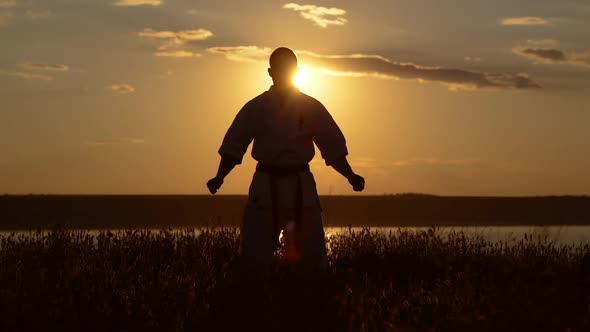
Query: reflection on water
[{"x": 555, "y": 234}]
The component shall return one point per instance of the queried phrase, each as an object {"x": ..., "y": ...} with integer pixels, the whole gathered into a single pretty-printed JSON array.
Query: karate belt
[{"x": 276, "y": 172}]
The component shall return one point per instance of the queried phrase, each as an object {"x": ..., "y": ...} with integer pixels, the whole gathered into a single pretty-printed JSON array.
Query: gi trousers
[{"x": 303, "y": 245}]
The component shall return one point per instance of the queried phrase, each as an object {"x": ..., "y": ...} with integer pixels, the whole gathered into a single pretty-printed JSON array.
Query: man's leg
[
  {"x": 309, "y": 291},
  {"x": 314, "y": 245},
  {"x": 257, "y": 246},
  {"x": 256, "y": 256},
  {"x": 311, "y": 256}
]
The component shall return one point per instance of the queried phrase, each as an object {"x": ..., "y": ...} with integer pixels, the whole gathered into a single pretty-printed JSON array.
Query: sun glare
[{"x": 301, "y": 78}]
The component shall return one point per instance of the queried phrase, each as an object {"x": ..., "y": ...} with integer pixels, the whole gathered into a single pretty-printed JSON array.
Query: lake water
[{"x": 556, "y": 234}]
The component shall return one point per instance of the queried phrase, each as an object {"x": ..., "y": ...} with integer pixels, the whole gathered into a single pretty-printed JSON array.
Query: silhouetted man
[{"x": 284, "y": 124}]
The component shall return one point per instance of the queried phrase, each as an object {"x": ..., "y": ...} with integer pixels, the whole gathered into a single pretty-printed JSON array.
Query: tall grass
[{"x": 187, "y": 281}]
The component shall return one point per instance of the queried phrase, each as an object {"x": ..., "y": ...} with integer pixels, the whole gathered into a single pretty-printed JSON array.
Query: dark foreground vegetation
[{"x": 180, "y": 281}]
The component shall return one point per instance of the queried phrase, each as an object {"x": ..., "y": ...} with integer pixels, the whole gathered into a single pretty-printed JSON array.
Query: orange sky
[{"x": 134, "y": 96}]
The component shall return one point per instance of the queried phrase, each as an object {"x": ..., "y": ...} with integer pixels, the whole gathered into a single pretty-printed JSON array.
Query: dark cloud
[
  {"x": 553, "y": 55},
  {"x": 582, "y": 59},
  {"x": 371, "y": 65},
  {"x": 549, "y": 54},
  {"x": 381, "y": 67}
]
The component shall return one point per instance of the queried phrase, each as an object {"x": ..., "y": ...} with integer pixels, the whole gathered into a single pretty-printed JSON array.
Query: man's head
[{"x": 283, "y": 66}]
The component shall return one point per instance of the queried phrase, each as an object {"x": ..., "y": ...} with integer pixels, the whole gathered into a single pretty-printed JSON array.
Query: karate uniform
[{"x": 284, "y": 131}]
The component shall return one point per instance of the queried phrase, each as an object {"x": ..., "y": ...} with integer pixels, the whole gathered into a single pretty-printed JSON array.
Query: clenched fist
[
  {"x": 357, "y": 182},
  {"x": 214, "y": 184}
]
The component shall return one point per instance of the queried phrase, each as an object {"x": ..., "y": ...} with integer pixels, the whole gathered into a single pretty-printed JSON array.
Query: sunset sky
[{"x": 444, "y": 97}]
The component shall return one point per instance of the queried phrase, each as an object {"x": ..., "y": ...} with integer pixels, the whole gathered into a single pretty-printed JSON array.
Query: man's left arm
[
  {"x": 332, "y": 144},
  {"x": 342, "y": 166}
]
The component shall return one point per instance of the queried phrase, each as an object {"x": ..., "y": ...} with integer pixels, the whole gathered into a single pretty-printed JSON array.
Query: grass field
[{"x": 179, "y": 281}]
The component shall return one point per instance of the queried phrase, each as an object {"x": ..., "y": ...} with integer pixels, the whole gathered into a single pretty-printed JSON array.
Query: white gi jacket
[{"x": 284, "y": 133}]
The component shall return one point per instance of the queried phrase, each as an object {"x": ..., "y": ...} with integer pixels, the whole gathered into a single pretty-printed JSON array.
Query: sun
[{"x": 301, "y": 78}]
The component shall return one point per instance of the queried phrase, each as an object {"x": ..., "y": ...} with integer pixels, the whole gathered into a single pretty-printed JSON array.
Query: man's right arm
[
  {"x": 235, "y": 143},
  {"x": 226, "y": 164}
]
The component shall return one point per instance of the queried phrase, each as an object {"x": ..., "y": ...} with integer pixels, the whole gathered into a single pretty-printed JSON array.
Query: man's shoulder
[
  {"x": 303, "y": 98},
  {"x": 256, "y": 101},
  {"x": 309, "y": 101}
]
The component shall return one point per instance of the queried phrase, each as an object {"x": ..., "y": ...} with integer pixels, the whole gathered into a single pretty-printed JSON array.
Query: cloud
[
  {"x": 581, "y": 59},
  {"x": 132, "y": 3},
  {"x": 126, "y": 140},
  {"x": 6, "y": 17},
  {"x": 542, "y": 42},
  {"x": 525, "y": 20},
  {"x": 7, "y": 3},
  {"x": 44, "y": 66},
  {"x": 321, "y": 16},
  {"x": 243, "y": 53},
  {"x": 553, "y": 56},
  {"x": 32, "y": 71},
  {"x": 177, "y": 54},
  {"x": 361, "y": 65},
  {"x": 180, "y": 36},
  {"x": 174, "y": 42},
  {"x": 166, "y": 74},
  {"x": 122, "y": 89},
  {"x": 37, "y": 14},
  {"x": 436, "y": 162},
  {"x": 381, "y": 67},
  {"x": 383, "y": 167},
  {"x": 472, "y": 59},
  {"x": 361, "y": 162},
  {"x": 27, "y": 76},
  {"x": 541, "y": 54}
]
